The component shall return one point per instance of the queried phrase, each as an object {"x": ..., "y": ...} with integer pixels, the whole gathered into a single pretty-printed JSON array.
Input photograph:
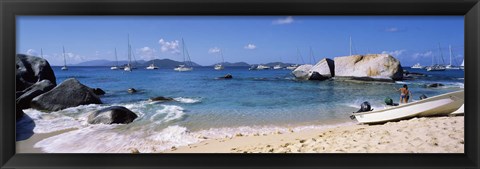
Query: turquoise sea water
[{"x": 253, "y": 101}]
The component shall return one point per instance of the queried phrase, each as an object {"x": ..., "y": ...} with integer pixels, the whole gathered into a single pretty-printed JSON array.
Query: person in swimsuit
[{"x": 404, "y": 94}]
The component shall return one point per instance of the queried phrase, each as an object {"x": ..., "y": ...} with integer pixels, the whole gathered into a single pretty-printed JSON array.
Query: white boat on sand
[
  {"x": 459, "y": 111},
  {"x": 437, "y": 105}
]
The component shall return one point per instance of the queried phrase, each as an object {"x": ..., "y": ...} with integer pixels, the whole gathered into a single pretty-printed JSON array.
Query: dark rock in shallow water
[
  {"x": 317, "y": 76},
  {"x": 132, "y": 90},
  {"x": 70, "y": 93},
  {"x": 98, "y": 91},
  {"x": 26, "y": 96},
  {"x": 161, "y": 98},
  {"x": 32, "y": 69},
  {"x": 112, "y": 115},
  {"x": 423, "y": 96},
  {"x": 434, "y": 85},
  {"x": 228, "y": 76}
]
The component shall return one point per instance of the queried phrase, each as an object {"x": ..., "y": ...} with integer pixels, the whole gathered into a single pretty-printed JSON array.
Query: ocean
[{"x": 206, "y": 107}]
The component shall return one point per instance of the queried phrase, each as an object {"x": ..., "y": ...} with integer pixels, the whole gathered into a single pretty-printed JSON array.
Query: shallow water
[{"x": 253, "y": 101}]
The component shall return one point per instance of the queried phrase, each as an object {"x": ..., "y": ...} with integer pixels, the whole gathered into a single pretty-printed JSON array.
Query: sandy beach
[{"x": 417, "y": 135}]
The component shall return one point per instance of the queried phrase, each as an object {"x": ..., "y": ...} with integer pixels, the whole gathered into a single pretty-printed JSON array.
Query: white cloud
[
  {"x": 395, "y": 53},
  {"x": 392, "y": 29},
  {"x": 250, "y": 46},
  {"x": 214, "y": 50},
  {"x": 146, "y": 53},
  {"x": 422, "y": 55},
  {"x": 287, "y": 20},
  {"x": 172, "y": 46},
  {"x": 32, "y": 52}
]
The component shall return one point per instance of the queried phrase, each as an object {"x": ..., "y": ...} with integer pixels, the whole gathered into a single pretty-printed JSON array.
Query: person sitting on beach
[{"x": 404, "y": 94}]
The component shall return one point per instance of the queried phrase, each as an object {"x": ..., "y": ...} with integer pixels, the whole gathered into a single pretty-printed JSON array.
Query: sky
[{"x": 251, "y": 39}]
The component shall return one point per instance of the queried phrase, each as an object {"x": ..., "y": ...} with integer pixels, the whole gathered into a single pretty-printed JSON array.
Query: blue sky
[{"x": 252, "y": 39}]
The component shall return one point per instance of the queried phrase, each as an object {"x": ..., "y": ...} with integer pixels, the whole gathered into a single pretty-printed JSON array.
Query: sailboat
[
  {"x": 450, "y": 66},
  {"x": 64, "y": 60},
  {"x": 152, "y": 66},
  {"x": 278, "y": 66},
  {"x": 128, "y": 67},
  {"x": 220, "y": 66},
  {"x": 417, "y": 66},
  {"x": 184, "y": 67},
  {"x": 312, "y": 57},
  {"x": 41, "y": 53},
  {"x": 462, "y": 66},
  {"x": 294, "y": 66},
  {"x": 436, "y": 67},
  {"x": 116, "y": 59}
]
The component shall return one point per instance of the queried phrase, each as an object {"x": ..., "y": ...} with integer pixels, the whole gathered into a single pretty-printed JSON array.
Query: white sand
[{"x": 417, "y": 135}]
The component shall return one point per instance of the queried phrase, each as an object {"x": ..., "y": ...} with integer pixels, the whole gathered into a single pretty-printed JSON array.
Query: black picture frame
[{"x": 9, "y": 9}]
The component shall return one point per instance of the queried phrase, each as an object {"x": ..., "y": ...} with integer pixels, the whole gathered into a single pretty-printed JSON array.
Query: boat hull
[
  {"x": 183, "y": 69},
  {"x": 433, "y": 106}
]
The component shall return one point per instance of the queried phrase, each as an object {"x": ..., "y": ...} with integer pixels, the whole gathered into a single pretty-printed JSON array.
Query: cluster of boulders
[
  {"x": 36, "y": 87},
  {"x": 371, "y": 67}
]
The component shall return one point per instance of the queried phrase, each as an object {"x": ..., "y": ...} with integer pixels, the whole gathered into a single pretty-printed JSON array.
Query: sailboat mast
[
  {"x": 441, "y": 54},
  {"x": 183, "y": 51},
  {"x": 64, "y": 60},
  {"x": 450, "y": 49},
  {"x": 350, "y": 46},
  {"x": 312, "y": 56},
  {"x": 129, "y": 50},
  {"x": 299, "y": 55},
  {"x": 116, "y": 59}
]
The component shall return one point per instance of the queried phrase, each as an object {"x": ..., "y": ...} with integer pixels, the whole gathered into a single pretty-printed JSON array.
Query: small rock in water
[
  {"x": 434, "y": 85},
  {"x": 290, "y": 130},
  {"x": 228, "y": 76},
  {"x": 132, "y": 90},
  {"x": 239, "y": 134},
  {"x": 161, "y": 98}
]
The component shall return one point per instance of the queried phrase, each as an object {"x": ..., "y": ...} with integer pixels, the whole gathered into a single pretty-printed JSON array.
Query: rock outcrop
[
  {"x": 30, "y": 70},
  {"x": 373, "y": 66},
  {"x": 112, "y": 115},
  {"x": 70, "y": 93},
  {"x": 98, "y": 91},
  {"x": 25, "y": 97},
  {"x": 324, "y": 69},
  {"x": 302, "y": 72}
]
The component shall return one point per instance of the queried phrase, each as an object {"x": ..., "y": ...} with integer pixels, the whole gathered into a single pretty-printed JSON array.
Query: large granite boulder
[
  {"x": 374, "y": 66},
  {"x": 25, "y": 97},
  {"x": 32, "y": 69},
  {"x": 112, "y": 115},
  {"x": 70, "y": 93},
  {"x": 302, "y": 72},
  {"x": 323, "y": 70}
]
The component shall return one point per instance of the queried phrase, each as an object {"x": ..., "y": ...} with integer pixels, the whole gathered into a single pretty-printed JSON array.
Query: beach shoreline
[{"x": 416, "y": 135}]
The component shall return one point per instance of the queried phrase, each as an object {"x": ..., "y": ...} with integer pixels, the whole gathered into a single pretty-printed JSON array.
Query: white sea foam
[
  {"x": 187, "y": 100},
  {"x": 169, "y": 113},
  {"x": 107, "y": 139},
  {"x": 51, "y": 122}
]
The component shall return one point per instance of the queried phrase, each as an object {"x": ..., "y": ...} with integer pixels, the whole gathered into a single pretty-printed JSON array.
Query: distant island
[{"x": 167, "y": 63}]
